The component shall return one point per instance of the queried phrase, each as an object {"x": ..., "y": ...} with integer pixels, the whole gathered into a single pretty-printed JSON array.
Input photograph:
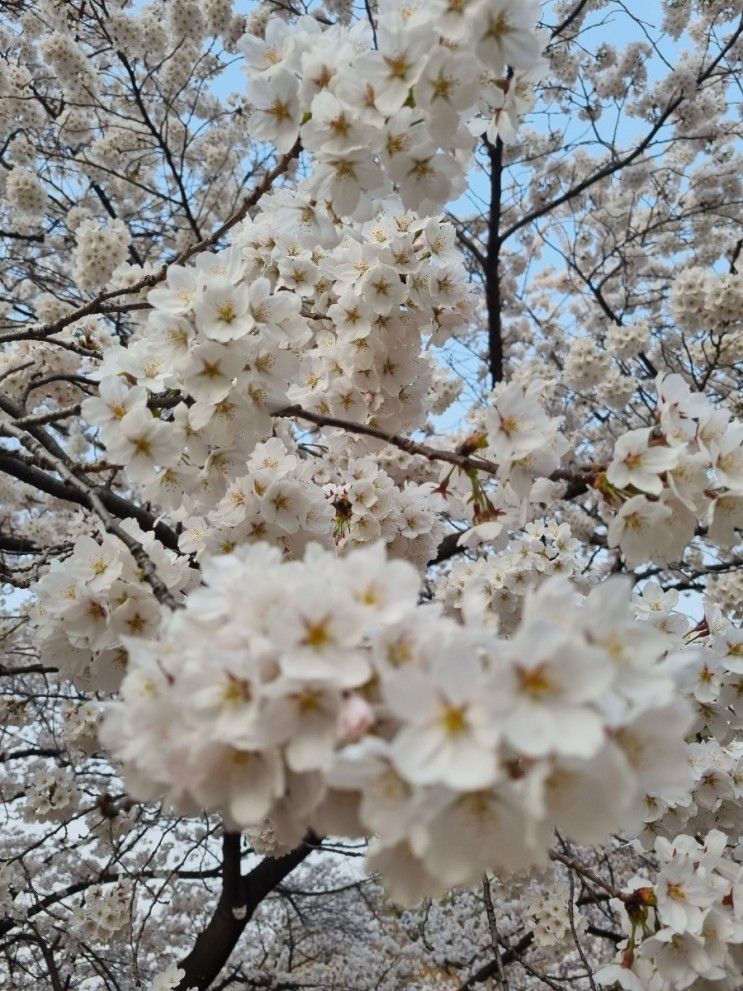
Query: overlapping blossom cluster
[
  {"x": 708, "y": 795},
  {"x": 25, "y": 194},
  {"x": 291, "y": 314},
  {"x": 318, "y": 693},
  {"x": 295, "y": 314},
  {"x": 283, "y": 499},
  {"x": 684, "y": 929},
  {"x": 87, "y": 604},
  {"x": 396, "y": 106},
  {"x": 547, "y": 909},
  {"x": 513, "y": 432},
  {"x": 100, "y": 249},
  {"x": 726, "y": 591},
  {"x": 104, "y": 914},
  {"x": 684, "y": 470},
  {"x": 51, "y": 793},
  {"x": 701, "y": 299},
  {"x": 495, "y": 585}
]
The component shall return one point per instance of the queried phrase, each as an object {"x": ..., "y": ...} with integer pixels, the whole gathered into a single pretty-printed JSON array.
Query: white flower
[
  {"x": 446, "y": 89},
  {"x": 728, "y": 460},
  {"x": 504, "y": 34},
  {"x": 426, "y": 178},
  {"x": 481, "y": 830},
  {"x": 275, "y": 113},
  {"x": 269, "y": 54},
  {"x": 544, "y": 687},
  {"x": 222, "y": 311},
  {"x": 515, "y": 426},
  {"x": 141, "y": 442},
  {"x": 584, "y": 799},
  {"x": 638, "y": 530},
  {"x": 211, "y": 372},
  {"x": 116, "y": 397},
  {"x": 683, "y": 894},
  {"x": 334, "y": 128},
  {"x": 181, "y": 288},
  {"x": 397, "y": 65},
  {"x": 341, "y": 180},
  {"x": 95, "y": 564},
  {"x": 636, "y": 463},
  {"x": 449, "y": 735},
  {"x": 304, "y": 717},
  {"x": 168, "y": 979},
  {"x": 244, "y": 783},
  {"x": 727, "y": 519}
]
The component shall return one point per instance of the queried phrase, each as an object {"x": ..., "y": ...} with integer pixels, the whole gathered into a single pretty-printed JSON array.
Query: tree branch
[
  {"x": 95, "y": 305},
  {"x": 241, "y": 896},
  {"x": 492, "y": 263}
]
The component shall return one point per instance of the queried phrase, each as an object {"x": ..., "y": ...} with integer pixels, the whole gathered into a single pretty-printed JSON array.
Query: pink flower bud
[{"x": 355, "y": 718}]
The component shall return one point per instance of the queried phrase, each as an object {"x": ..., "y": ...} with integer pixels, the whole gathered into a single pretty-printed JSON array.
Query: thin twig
[{"x": 494, "y": 934}]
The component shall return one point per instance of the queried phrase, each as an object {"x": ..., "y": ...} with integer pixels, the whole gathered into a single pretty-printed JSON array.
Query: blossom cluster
[
  {"x": 326, "y": 697},
  {"x": 703, "y": 300},
  {"x": 25, "y": 194},
  {"x": 51, "y": 794},
  {"x": 291, "y": 314},
  {"x": 396, "y": 109},
  {"x": 495, "y": 586},
  {"x": 104, "y": 914},
  {"x": 663, "y": 479},
  {"x": 549, "y": 915},
  {"x": 514, "y": 433},
  {"x": 100, "y": 249},
  {"x": 685, "y": 928},
  {"x": 87, "y": 604},
  {"x": 284, "y": 499},
  {"x": 708, "y": 796}
]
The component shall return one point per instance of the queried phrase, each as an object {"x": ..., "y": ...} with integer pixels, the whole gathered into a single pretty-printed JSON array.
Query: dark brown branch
[
  {"x": 490, "y": 969},
  {"x": 492, "y": 263},
  {"x": 241, "y": 896},
  {"x": 17, "y": 545},
  {"x": 572, "y": 16},
  {"x": 396, "y": 440},
  {"x": 500, "y": 972},
  {"x": 115, "y": 504}
]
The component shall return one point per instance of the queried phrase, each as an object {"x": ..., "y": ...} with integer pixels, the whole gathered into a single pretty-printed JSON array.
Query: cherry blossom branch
[
  {"x": 518, "y": 957},
  {"x": 40, "y": 419},
  {"x": 492, "y": 263},
  {"x": 134, "y": 547},
  {"x": 572, "y": 16},
  {"x": 17, "y": 545},
  {"x": 574, "y": 931},
  {"x": 586, "y": 872},
  {"x": 578, "y": 479},
  {"x": 396, "y": 440},
  {"x": 12, "y": 464},
  {"x": 95, "y": 306},
  {"x": 637, "y": 151}
]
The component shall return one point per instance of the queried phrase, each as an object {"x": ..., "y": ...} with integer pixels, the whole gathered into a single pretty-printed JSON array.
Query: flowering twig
[
  {"x": 96, "y": 305},
  {"x": 396, "y": 440},
  {"x": 586, "y": 872},
  {"x": 58, "y": 464}
]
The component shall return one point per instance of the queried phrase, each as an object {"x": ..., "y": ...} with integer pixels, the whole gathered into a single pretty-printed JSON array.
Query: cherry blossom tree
[{"x": 371, "y": 445}]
